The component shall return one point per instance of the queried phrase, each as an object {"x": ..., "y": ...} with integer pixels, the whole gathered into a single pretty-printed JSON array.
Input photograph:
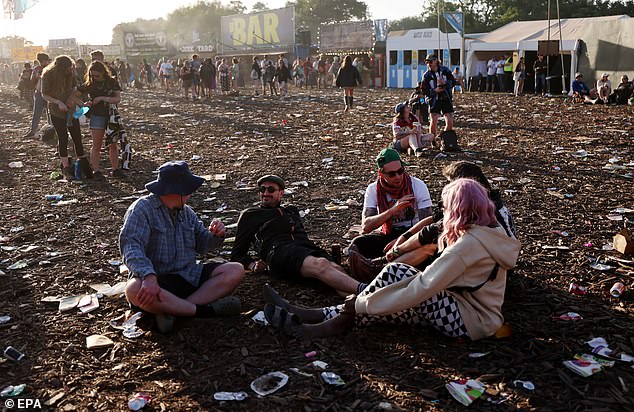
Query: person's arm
[
  {"x": 133, "y": 239},
  {"x": 410, "y": 292},
  {"x": 110, "y": 100},
  {"x": 372, "y": 219},
  {"x": 244, "y": 237}
]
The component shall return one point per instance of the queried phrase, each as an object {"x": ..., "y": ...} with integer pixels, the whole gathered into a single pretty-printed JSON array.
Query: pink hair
[{"x": 466, "y": 203}]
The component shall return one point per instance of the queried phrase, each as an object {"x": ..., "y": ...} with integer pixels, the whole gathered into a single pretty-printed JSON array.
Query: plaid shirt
[{"x": 150, "y": 242}]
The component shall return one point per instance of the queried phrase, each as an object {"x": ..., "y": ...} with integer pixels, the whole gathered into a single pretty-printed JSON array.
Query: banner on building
[
  {"x": 62, "y": 43},
  {"x": 109, "y": 50},
  {"x": 349, "y": 36},
  {"x": 26, "y": 53},
  {"x": 380, "y": 30},
  {"x": 456, "y": 21},
  {"x": 14, "y": 9},
  {"x": 199, "y": 48},
  {"x": 144, "y": 44},
  {"x": 268, "y": 29}
]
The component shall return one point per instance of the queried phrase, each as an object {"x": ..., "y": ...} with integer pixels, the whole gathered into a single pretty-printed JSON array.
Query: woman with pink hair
[{"x": 460, "y": 294}]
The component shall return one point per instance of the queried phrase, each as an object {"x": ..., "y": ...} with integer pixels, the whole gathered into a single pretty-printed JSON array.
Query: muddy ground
[{"x": 525, "y": 145}]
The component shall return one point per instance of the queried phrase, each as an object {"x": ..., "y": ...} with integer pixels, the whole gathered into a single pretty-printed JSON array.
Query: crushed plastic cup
[
  {"x": 570, "y": 316},
  {"x": 269, "y": 383},
  {"x": 332, "y": 378},
  {"x": 80, "y": 112},
  {"x": 465, "y": 391},
  {"x": 11, "y": 391},
  {"x": 319, "y": 365},
  {"x": 5, "y": 319},
  {"x": 477, "y": 355},
  {"x": 138, "y": 401},
  {"x": 616, "y": 290},
  {"x": 310, "y": 354},
  {"x": 575, "y": 289},
  {"x": 230, "y": 396},
  {"x": 16, "y": 165},
  {"x": 524, "y": 384}
]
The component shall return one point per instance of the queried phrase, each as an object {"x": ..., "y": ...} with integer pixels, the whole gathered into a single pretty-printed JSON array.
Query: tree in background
[
  {"x": 310, "y": 14},
  {"x": 259, "y": 6}
]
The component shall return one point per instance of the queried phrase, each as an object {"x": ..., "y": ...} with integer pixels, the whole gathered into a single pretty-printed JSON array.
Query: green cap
[
  {"x": 388, "y": 155},
  {"x": 272, "y": 178}
]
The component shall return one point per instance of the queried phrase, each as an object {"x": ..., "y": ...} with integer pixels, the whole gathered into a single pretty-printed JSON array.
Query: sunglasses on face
[
  {"x": 394, "y": 172},
  {"x": 269, "y": 189}
]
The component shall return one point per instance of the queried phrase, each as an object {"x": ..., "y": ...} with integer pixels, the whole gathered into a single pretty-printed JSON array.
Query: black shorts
[
  {"x": 178, "y": 286},
  {"x": 286, "y": 260},
  {"x": 443, "y": 106}
]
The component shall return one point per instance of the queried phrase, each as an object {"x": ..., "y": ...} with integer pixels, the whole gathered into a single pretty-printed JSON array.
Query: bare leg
[
  {"x": 433, "y": 124},
  {"x": 114, "y": 156},
  {"x": 329, "y": 273},
  {"x": 222, "y": 281},
  {"x": 449, "y": 121},
  {"x": 97, "y": 140}
]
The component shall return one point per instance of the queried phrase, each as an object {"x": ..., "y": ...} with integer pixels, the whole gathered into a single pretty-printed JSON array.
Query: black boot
[
  {"x": 345, "y": 99},
  {"x": 84, "y": 166},
  {"x": 67, "y": 171},
  {"x": 351, "y": 101}
]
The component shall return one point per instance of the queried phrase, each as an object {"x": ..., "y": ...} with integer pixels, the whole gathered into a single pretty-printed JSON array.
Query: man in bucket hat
[
  {"x": 394, "y": 203},
  {"x": 159, "y": 241},
  {"x": 281, "y": 242}
]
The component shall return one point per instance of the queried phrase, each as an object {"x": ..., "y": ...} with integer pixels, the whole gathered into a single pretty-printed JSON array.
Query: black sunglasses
[
  {"x": 394, "y": 172},
  {"x": 269, "y": 189}
]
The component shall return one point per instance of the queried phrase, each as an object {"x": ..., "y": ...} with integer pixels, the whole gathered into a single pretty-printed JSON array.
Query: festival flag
[
  {"x": 455, "y": 20},
  {"x": 14, "y": 9}
]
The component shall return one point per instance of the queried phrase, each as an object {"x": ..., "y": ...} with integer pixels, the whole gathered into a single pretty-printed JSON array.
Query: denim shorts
[{"x": 98, "y": 122}]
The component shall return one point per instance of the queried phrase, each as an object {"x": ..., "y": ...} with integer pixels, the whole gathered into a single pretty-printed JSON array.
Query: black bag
[{"x": 448, "y": 141}]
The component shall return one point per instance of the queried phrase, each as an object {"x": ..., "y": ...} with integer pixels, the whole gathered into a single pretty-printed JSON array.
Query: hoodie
[{"x": 466, "y": 263}]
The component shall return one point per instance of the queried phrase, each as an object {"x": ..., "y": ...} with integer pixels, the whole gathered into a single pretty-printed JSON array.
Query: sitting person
[
  {"x": 579, "y": 89},
  {"x": 604, "y": 88},
  {"x": 418, "y": 103},
  {"x": 623, "y": 91},
  {"x": 395, "y": 202},
  {"x": 406, "y": 131},
  {"x": 460, "y": 294},
  {"x": 159, "y": 241},
  {"x": 417, "y": 244},
  {"x": 282, "y": 243}
]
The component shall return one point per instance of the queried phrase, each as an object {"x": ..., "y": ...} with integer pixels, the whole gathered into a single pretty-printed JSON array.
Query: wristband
[
  {"x": 406, "y": 235},
  {"x": 252, "y": 266},
  {"x": 396, "y": 251}
]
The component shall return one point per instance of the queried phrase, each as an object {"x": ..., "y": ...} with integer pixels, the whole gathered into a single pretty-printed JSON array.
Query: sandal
[
  {"x": 280, "y": 318},
  {"x": 227, "y": 306},
  {"x": 271, "y": 296}
]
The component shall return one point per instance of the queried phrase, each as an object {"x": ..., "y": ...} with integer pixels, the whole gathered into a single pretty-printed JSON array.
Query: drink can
[
  {"x": 51, "y": 198},
  {"x": 617, "y": 289},
  {"x": 575, "y": 289},
  {"x": 12, "y": 353},
  {"x": 138, "y": 401},
  {"x": 336, "y": 253}
]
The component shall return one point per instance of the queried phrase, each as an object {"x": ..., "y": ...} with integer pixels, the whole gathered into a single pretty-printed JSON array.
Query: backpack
[{"x": 448, "y": 141}]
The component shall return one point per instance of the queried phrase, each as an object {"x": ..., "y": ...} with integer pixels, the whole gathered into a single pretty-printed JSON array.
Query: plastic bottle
[{"x": 77, "y": 170}]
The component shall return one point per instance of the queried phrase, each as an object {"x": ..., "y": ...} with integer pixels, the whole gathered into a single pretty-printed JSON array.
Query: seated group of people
[
  {"x": 446, "y": 271},
  {"x": 603, "y": 92},
  {"x": 432, "y": 97}
]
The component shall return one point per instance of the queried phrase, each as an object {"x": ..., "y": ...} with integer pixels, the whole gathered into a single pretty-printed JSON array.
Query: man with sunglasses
[
  {"x": 281, "y": 242},
  {"x": 395, "y": 202}
]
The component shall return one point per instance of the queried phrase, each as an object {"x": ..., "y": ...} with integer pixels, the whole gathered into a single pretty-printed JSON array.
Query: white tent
[{"x": 595, "y": 44}]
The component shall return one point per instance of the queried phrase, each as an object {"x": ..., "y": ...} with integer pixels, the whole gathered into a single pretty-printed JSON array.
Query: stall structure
[
  {"x": 406, "y": 51},
  {"x": 363, "y": 40},
  {"x": 589, "y": 45}
]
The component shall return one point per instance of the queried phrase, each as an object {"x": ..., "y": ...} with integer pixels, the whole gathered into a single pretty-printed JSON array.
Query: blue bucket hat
[
  {"x": 399, "y": 107},
  {"x": 175, "y": 178}
]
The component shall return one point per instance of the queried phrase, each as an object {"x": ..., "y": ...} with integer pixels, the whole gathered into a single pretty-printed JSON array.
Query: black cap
[
  {"x": 430, "y": 57},
  {"x": 272, "y": 178}
]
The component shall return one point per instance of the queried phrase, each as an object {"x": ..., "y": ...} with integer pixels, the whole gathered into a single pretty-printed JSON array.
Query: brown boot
[{"x": 361, "y": 268}]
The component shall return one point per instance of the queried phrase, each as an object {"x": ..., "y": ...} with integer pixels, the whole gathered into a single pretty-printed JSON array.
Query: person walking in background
[
  {"x": 256, "y": 75},
  {"x": 348, "y": 78},
  {"x": 283, "y": 76},
  {"x": 208, "y": 77},
  {"x": 519, "y": 76},
  {"x": 58, "y": 85},
  {"x": 224, "y": 74},
  {"x": 333, "y": 70},
  {"x": 39, "y": 104},
  {"x": 236, "y": 79},
  {"x": 103, "y": 90},
  {"x": 24, "y": 84},
  {"x": 540, "y": 68}
]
